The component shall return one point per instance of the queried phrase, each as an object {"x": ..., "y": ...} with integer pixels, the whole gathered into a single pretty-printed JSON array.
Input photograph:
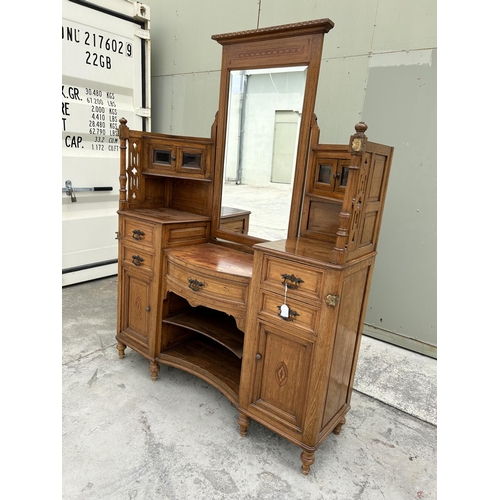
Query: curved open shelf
[
  {"x": 207, "y": 360},
  {"x": 213, "y": 324}
]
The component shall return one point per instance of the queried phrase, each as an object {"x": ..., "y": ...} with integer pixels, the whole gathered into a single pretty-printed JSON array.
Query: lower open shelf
[
  {"x": 214, "y": 324},
  {"x": 208, "y": 360}
]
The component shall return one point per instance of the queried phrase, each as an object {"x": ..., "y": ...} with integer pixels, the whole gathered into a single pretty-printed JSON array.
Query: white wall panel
[
  {"x": 405, "y": 25},
  {"x": 185, "y": 104}
]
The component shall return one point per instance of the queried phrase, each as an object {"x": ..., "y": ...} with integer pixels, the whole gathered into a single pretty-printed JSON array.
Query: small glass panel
[
  {"x": 163, "y": 157},
  {"x": 343, "y": 176},
  {"x": 191, "y": 160},
  {"x": 325, "y": 174}
]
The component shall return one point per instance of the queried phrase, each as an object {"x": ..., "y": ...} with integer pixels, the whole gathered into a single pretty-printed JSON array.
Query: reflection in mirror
[{"x": 264, "y": 113}]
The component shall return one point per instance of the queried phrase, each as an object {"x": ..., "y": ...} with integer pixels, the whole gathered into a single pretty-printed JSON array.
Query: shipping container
[{"x": 106, "y": 75}]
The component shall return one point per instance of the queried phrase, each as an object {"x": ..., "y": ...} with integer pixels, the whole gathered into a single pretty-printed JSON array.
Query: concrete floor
[{"x": 126, "y": 437}]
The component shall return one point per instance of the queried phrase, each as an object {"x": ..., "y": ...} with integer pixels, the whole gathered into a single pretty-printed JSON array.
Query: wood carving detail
[
  {"x": 138, "y": 305},
  {"x": 133, "y": 170},
  {"x": 281, "y": 374},
  {"x": 272, "y": 52},
  {"x": 358, "y": 204}
]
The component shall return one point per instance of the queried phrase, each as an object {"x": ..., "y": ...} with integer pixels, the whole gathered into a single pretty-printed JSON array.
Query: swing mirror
[{"x": 268, "y": 87}]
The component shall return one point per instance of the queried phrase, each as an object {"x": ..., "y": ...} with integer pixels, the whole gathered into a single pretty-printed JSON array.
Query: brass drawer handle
[
  {"x": 137, "y": 260},
  {"x": 291, "y": 314},
  {"x": 137, "y": 234},
  {"x": 291, "y": 281},
  {"x": 195, "y": 285}
]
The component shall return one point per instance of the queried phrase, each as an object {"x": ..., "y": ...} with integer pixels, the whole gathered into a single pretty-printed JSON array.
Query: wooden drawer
[
  {"x": 183, "y": 234},
  {"x": 137, "y": 257},
  {"x": 138, "y": 231},
  {"x": 308, "y": 280},
  {"x": 211, "y": 290},
  {"x": 301, "y": 315},
  {"x": 212, "y": 276}
]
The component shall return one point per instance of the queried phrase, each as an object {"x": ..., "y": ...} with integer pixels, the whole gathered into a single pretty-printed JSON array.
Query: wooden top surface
[
  {"x": 214, "y": 258},
  {"x": 230, "y": 211},
  {"x": 163, "y": 215},
  {"x": 306, "y": 249}
]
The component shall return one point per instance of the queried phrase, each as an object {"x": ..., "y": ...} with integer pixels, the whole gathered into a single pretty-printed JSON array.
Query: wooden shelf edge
[{"x": 214, "y": 365}]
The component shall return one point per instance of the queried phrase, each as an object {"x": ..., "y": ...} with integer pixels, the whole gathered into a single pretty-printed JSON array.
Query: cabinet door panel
[
  {"x": 283, "y": 363},
  {"x": 136, "y": 314}
]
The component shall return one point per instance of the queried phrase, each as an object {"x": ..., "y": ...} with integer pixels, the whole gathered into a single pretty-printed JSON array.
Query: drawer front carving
[
  {"x": 301, "y": 315},
  {"x": 138, "y": 258},
  {"x": 138, "y": 231},
  {"x": 304, "y": 283}
]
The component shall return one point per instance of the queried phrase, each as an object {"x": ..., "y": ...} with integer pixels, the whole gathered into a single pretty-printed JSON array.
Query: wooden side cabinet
[
  {"x": 143, "y": 236},
  {"x": 300, "y": 354}
]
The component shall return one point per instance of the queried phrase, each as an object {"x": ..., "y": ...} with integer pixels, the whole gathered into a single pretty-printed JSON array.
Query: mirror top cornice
[{"x": 294, "y": 29}]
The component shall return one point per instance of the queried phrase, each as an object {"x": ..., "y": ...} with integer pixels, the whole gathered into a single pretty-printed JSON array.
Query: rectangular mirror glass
[{"x": 263, "y": 123}]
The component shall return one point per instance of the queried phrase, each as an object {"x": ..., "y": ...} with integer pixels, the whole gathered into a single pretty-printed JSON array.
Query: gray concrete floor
[{"x": 126, "y": 437}]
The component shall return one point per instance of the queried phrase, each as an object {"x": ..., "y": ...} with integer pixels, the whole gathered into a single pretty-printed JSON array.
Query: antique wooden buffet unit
[{"x": 274, "y": 325}]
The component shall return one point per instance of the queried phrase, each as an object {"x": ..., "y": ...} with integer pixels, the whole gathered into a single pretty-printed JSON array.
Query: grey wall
[{"x": 379, "y": 66}]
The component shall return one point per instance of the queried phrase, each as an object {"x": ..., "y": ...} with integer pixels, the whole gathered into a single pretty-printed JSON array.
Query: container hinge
[
  {"x": 144, "y": 34},
  {"x": 141, "y": 11},
  {"x": 144, "y": 112}
]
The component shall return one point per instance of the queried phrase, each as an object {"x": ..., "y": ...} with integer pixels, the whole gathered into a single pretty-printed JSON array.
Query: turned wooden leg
[
  {"x": 244, "y": 422},
  {"x": 154, "y": 368},
  {"x": 121, "y": 350},
  {"x": 338, "y": 427},
  {"x": 307, "y": 458}
]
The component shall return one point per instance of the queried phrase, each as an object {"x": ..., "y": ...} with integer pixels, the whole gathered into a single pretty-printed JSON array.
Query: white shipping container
[{"x": 105, "y": 76}]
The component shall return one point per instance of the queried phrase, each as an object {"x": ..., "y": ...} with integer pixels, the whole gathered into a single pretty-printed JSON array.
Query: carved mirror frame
[{"x": 297, "y": 44}]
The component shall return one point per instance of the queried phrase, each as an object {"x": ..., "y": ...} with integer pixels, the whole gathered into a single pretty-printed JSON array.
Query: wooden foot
[
  {"x": 121, "y": 350},
  {"x": 244, "y": 422},
  {"x": 307, "y": 458},
  {"x": 338, "y": 428},
  {"x": 154, "y": 368}
]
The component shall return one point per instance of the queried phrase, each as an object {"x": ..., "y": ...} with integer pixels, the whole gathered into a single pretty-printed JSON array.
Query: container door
[
  {"x": 285, "y": 145},
  {"x": 105, "y": 76}
]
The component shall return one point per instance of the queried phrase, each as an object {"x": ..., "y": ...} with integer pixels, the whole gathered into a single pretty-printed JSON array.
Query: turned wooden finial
[
  {"x": 123, "y": 130},
  {"x": 361, "y": 127},
  {"x": 358, "y": 140}
]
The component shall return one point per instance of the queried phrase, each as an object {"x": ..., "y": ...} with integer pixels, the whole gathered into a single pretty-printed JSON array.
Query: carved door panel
[
  {"x": 282, "y": 370},
  {"x": 136, "y": 315}
]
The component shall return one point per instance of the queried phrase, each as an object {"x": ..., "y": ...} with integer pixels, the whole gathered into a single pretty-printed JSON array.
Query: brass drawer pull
[
  {"x": 291, "y": 281},
  {"x": 291, "y": 314},
  {"x": 137, "y": 234},
  {"x": 137, "y": 260},
  {"x": 196, "y": 285}
]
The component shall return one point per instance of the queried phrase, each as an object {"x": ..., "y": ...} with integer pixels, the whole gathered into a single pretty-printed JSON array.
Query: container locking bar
[{"x": 70, "y": 190}]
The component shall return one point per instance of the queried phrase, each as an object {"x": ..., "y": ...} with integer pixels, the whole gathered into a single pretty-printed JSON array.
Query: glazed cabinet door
[
  {"x": 282, "y": 366},
  {"x": 179, "y": 157}
]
